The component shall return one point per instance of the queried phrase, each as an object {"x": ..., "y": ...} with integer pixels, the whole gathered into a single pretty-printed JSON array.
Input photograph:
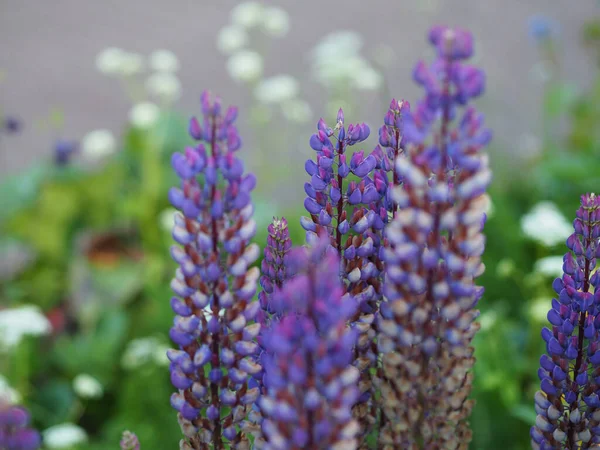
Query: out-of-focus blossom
[
  {"x": 164, "y": 85},
  {"x": 110, "y": 61},
  {"x": 15, "y": 433},
  {"x": 129, "y": 441},
  {"x": 7, "y": 393},
  {"x": 245, "y": 66},
  {"x": 545, "y": 224},
  {"x": 231, "y": 39},
  {"x": 16, "y": 323},
  {"x": 167, "y": 219},
  {"x": 64, "y": 436},
  {"x": 143, "y": 351},
  {"x": 277, "y": 89},
  {"x": 12, "y": 125},
  {"x": 296, "y": 110},
  {"x": 164, "y": 61},
  {"x": 550, "y": 266},
  {"x": 98, "y": 144},
  {"x": 247, "y": 14},
  {"x": 88, "y": 387},
  {"x": 275, "y": 21},
  {"x": 131, "y": 64},
  {"x": 505, "y": 268},
  {"x": 367, "y": 78},
  {"x": 144, "y": 115},
  {"x": 542, "y": 28},
  {"x": 63, "y": 151}
]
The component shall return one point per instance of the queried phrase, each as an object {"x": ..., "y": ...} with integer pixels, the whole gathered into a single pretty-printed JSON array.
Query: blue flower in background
[{"x": 542, "y": 28}]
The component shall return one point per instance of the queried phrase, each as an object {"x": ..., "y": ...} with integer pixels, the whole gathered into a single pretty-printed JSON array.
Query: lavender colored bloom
[
  {"x": 12, "y": 125},
  {"x": 63, "y": 151},
  {"x": 568, "y": 404},
  {"x": 15, "y": 434},
  {"x": 129, "y": 441},
  {"x": 310, "y": 380},
  {"x": 214, "y": 284},
  {"x": 433, "y": 256},
  {"x": 346, "y": 200}
]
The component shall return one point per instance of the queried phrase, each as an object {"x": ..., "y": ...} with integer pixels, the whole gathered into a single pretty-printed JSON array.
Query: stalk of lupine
[
  {"x": 15, "y": 433},
  {"x": 214, "y": 285},
  {"x": 344, "y": 201},
  {"x": 434, "y": 256},
  {"x": 310, "y": 380},
  {"x": 129, "y": 441},
  {"x": 568, "y": 404}
]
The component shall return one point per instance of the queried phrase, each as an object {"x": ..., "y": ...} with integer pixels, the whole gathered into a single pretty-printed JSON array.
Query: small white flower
[
  {"x": 160, "y": 355},
  {"x": 276, "y": 21},
  {"x": 367, "y": 78},
  {"x": 27, "y": 320},
  {"x": 98, "y": 144},
  {"x": 247, "y": 14},
  {"x": 86, "y": 386},
  {"x": 488, "y": 319},
  {"x": 131, "y": 64},
  {"x": 144, "y": 115},
  {"x": 550, "y": 266},
  {"x": 65, "y": 435},
  {"x": 110, "y": 60},
  {"x": 7, "y": 393},
  {"x": 231, "y": 39},
  {"x": 142, "y": 351},
  {"x": 297, "y": 110},
  {"x": 277, "y": 89},
  {"x": 164, "y": 61},
  {"x": 167, "y": 219},
  {"x": 245, "y": 66},
  {"x": 346, "y": 43},
  {"x": 545, "y": 224},
  {"x": 164, "y": 85},
  {"x": 538, "y": 309}
]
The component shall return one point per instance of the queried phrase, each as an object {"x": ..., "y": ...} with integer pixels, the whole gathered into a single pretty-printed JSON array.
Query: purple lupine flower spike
[
  {"x": 15, "y": 433},
  {"x": 310, "y": 380},
  {"x": 344, "y": 199},
  {"x": 214, "y": 285},
  {"x": 432, "y": 260},
  {"x": 274, "y": 271},
  {"x": 568, "y": 404},
  {"x": 129, "y": 441}
]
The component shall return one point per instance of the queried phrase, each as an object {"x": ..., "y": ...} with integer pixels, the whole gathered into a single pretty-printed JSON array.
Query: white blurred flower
[
  {"x": 27, "y": 320},
  {"x": 487, "y": 320},
  {"x": 160, "y": 355},
  {"x": 545, "y": 224},
  {"x": 142, "y": 351},
  {"x": 538, "y": 309},
  {"x": 98, "y": 144},
  {"x": 276, "y": 21},
  {"x": 144, "y": 115},
  {"x": 131, "y": 64},
  {"x": 277, "y": 89},
  {"x": 164, "y": 61},
  {"x": 231, "y": 39},
  {"x": 347, "y": 43},
  {"x": 297, "y": 110},
  {"x": 109, "y": 61},
  {"x": 367, "y": 78},
  {"x": 550, "y": 266},
  {"x": 65, "y": 435},
  {"x": 245, "y": 66},
  {"x": 247, "y": 14},
  {"x": 167, "y": 219},
  {"x": 164, "y": 85},
  {"x": 7, "y": 393},
  {"x": 86, "y": 386}
]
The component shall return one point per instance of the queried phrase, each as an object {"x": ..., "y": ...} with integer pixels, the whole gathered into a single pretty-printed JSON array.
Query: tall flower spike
[
  {"x": 344, "y": 199},
  {"x": 568, "y": 404},
  {"x": 432, "y": 261},
  {"x": 311, "y": 383},
  {"x": 214, "y": 284},
  {"x": 15, "y": 433}
]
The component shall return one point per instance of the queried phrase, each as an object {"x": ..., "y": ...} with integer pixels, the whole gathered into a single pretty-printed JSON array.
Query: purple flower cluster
[
  {"x": 214, "y": 324},
  {"x": 15, "y": 433},
  {"x": 434, "y": 256},
  {"x": 346, "y": 201},
  {"x": 568, "y": 404},
  {"x": 129, "y": 441},
  {"x": 311, "y": 384}
]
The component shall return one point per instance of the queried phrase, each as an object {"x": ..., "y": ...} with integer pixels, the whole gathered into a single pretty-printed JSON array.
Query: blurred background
[{"x": 95, "y": 97}]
